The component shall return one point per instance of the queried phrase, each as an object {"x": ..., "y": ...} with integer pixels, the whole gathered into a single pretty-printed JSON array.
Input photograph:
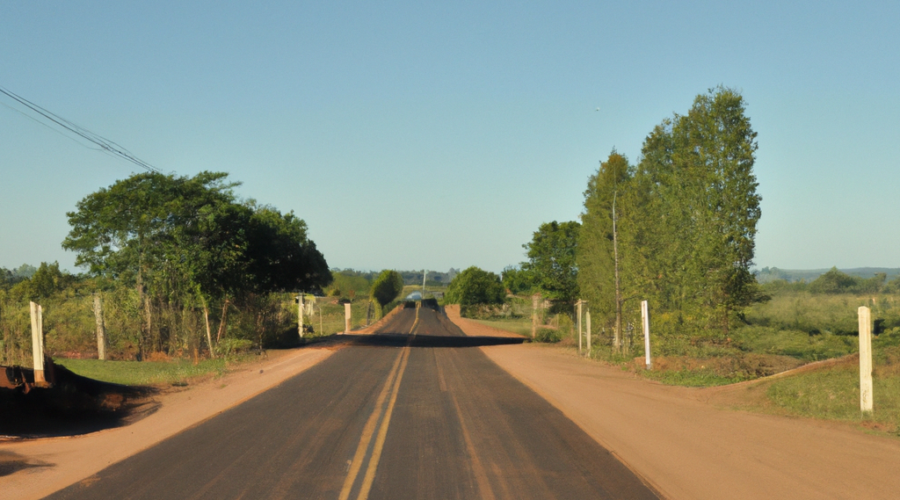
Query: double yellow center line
[{"x": 379, "y": 420}]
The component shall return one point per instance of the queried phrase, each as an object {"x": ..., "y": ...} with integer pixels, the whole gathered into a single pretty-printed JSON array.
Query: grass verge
[
  {"x": 173, "y": 372},
  {"x": 833, "y": 394},
  {"x": 520, "y": 326},
  {"x": 692, "y": 378}
]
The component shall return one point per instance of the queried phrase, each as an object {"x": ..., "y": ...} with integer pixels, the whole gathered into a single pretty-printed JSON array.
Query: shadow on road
[{"x": 400, "y": 340}]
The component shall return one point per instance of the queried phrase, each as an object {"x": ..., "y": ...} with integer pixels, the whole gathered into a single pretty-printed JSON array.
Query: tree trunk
[
  {"x": 618, "y": 333},
  {"x": 212, "y": 349},
  {"x": 223, "y": 322}
]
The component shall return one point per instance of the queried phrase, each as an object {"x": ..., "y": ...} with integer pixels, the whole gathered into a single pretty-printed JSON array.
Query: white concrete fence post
[
  {"x": 645, "y": 321},
  {"x": 101, "y": 328},
  {"x": 347, "y": 318},
  {"x": 578, "y": 309},
  {"x": 37, "y": 342},
  {"x": 300, "y": 314},
  {"x": 866, "y": 396},
  {"x": 587, "y": 320}
]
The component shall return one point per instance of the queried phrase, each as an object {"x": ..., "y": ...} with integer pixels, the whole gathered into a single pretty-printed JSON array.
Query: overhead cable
[{"x": 105, "y": 144}]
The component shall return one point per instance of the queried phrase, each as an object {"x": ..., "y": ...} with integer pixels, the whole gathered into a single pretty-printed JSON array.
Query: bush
[{"x": 547, "y": 335}]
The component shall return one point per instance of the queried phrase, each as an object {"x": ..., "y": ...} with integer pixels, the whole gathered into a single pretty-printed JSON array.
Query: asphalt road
[{"x": 416, "y": 411}]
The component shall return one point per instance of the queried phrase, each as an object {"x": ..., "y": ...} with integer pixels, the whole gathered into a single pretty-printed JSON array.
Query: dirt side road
[
  {"x": 58, "y": 462},
  {"x": 688, "y": 448}
]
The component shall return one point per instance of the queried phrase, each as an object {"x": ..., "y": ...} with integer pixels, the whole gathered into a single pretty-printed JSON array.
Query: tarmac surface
[{"x": 414, "y": 411}]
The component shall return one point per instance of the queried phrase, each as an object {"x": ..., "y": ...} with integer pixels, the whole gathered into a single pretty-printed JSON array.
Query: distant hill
[{"x": 768, "y": 274}]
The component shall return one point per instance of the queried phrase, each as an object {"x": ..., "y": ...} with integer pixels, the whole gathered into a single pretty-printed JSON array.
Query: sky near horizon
[{"x": 433, "y": 135}]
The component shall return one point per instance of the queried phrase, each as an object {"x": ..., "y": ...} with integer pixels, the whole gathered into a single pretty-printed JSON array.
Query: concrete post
[
  {"x": 865, "y": 360},
  {"x": 534, "y": 315},
  {"x": 37, "y": 342},
  {"x": 578, "y": 309},
  {"x": 587, "y": 319},
  {"x": 300, "y": 314},
  {"x": 101, "y": 328},
  {"x": 645, "y": 321},
  {"x": 347, "y": 318}
]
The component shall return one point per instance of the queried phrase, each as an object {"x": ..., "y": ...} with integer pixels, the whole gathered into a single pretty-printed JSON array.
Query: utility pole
[{"x": 424, "y": 274}]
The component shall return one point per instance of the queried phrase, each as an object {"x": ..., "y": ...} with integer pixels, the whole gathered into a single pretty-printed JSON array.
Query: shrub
[{"x": 547, "y": 335}]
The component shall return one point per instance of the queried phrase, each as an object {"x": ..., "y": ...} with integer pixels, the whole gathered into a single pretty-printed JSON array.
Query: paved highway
[{"x": 415, "y": 411}]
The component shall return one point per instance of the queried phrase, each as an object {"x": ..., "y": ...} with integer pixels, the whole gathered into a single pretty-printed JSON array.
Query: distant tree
[
  {"x": 551, "y": 260},
  {"x": 833, "y": 281},
  {"x": 386, "y": 287},
  {"x": 475, "y": 286},
  {"x": 45, "y": 282},
  {"x": 24, "y": 271},
  {"x": 518, "y": 280},
  {"x": 605, "y": 258},
  {"x": 349, "y": 282}
]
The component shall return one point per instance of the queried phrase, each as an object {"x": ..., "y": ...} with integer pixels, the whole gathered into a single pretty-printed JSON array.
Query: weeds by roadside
[{"x": 149, "y": 373}]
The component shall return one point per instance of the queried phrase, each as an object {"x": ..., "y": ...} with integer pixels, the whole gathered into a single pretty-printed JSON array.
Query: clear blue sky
[{"x": 438, "y": 135}]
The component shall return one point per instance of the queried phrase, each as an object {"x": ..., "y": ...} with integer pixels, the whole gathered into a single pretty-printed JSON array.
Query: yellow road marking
[
  {"x": 392, "y": 386},
  {"x": 368, "y": 432},
  {"x": 382, "y": 432}
]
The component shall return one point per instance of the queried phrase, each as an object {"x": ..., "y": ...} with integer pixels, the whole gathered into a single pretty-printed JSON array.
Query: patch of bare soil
[{"x": 686, "y": 445}]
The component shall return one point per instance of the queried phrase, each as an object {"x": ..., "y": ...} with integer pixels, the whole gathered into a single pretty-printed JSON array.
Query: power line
[{"x": 105, "y": 145}]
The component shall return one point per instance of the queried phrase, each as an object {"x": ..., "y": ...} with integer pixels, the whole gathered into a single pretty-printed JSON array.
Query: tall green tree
[
  {"x": 551, "y": 260},
  {"x": 601, "y": 257}
]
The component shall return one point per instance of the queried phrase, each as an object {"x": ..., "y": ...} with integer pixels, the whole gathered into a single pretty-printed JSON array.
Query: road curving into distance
[{"x": 413, "y": 411}]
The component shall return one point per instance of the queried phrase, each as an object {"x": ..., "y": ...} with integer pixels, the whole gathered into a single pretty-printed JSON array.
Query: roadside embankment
[{"x": 688, "y": 448}]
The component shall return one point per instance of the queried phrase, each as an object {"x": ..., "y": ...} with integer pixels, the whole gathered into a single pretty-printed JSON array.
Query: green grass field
[{"x": 174, "y": 372}]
